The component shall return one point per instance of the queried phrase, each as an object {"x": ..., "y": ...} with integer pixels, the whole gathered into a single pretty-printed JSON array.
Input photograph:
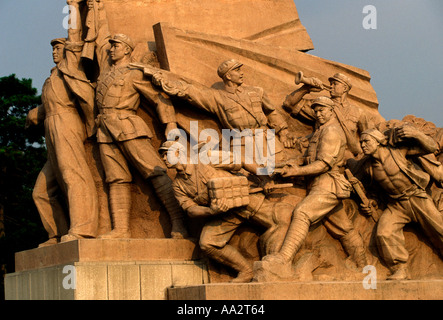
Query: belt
[
  {"x": 116, "y": 111},
  {"x": 63, "y": 110},
  {"x": 406, "y": 194}
]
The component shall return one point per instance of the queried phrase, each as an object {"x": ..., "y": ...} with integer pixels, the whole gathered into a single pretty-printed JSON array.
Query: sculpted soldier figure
[
  {"x": 237, "y": 106},
  {"x": 123, "y": 136},
  {"x": 352, "y": 119},
  {"x": 404, "y": 183},
  {"x": 191, "y": 190},
  {"x": 326, "y": 189},
  {"x": 67, "y": 111}
]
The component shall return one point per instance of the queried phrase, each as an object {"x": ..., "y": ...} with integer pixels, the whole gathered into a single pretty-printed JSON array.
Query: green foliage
[{"x": 22, "y": 155}]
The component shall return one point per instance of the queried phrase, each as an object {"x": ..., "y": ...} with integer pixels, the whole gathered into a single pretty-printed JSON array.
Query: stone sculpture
[
  {"x": 351, "y": 118},
  {"x": 191, "y": 187},
  {"x": 67, "y": 112},
  {"x": 237, "y": 106},
  {"x": 405, "y": 185},
  {"x": 180, "y": 84},
  {"x": 123, "y": 136},
  {"x": 326, "y": 187}
]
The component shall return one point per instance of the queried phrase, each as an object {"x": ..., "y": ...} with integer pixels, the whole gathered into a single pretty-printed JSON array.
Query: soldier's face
[
  {"x": 118, "y": 51},
  {"x": 177, "y": 164},
  {"x": 57, "y": 52},
  {"x": 236, "y": 75},
  {"x": 369, "y": 145},
  {"x": 338, "y": 89},
  {"x": 323, "y": 114}
]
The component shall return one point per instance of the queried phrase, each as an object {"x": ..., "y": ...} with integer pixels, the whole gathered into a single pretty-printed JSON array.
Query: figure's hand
[
  {"x": 370, "y": 207},
  {"x": 28, "y": 122},
  {"x": 317, "y": 85},
  {"x": 219, "y": 206},
  {"x": 267, "y": 184},
  {"x": 157, "y": 78},
  {"x": 407, "y": 131},
  {"x": 287, "y": 139},
  {"x": 31, "y": 118},
  {"x": 290, "y": 171}
]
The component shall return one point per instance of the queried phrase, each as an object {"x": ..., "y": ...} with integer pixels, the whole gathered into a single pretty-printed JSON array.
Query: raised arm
[
  {"x": 72, "y": 65},
  {"x": 102, "y": 35}
]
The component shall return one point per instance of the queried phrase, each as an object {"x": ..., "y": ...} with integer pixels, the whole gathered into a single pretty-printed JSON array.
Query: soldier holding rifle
[
  {"x": 123, "y": 136},
  {"x": 327, "y": 188}
]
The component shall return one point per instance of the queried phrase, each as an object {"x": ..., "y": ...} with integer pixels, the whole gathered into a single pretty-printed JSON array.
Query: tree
[{"x": 22, "y": 155}]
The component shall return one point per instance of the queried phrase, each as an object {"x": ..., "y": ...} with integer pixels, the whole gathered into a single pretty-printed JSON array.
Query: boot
[
  {"x": 353, "y": 245},
  {"x": 398, "y": 272},
  {"x": 163, "y": 188},
  {"x": 120, "y": 203},
  {"x": 296, "y": 235},
  {"x": 49, "y": 242},
  {"x": 232, "y": 258}
]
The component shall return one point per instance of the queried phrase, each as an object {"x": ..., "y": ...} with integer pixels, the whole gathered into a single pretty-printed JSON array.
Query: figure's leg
[
  {"x": 391, "y": 241},
  {"x": 45, "y": 195},
  {"x": 276, "y": 217},
  {"x": 163, "y": 188},
  {"x": 74, "y": 174},
  {"x": 430, "y": 219},
  {"x": 119, "y": 177},
  {"x": 340, "y": 226},
  {"x": 310, "y": 210},
  {"x": 214, "y": 240},
  {"x": 142, "y": 155}
]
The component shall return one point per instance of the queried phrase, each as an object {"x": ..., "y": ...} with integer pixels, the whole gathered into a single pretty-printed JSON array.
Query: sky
[{"x": 403, "y": 54}]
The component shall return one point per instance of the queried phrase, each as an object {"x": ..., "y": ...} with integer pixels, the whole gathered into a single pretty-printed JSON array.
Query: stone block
[
  {"x": 333, "y": 290},
  {"x": 115, "y": 250},
  {"x": 131, "y": 269}
]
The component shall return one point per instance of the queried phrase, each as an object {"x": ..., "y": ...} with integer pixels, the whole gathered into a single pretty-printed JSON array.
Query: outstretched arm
[{"x": 312, "y": 169}]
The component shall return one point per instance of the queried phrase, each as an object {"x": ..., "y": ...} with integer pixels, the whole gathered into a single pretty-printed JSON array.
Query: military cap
[
  {"x": 58, "y": 40},
  {"x": 340, "y": 77},
  {"x": 376, "y": 134},
  {"x": 122, "y": 38},
  {"x": 227, "y": 66},
  {"x": 170, "y": 145},
  {"x": 323, "y": 101}
]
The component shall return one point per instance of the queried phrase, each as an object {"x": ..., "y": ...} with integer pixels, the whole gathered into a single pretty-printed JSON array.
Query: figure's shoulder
[
  {"x": 255, "y": 89},
  {"x": 332, "y": 131}
]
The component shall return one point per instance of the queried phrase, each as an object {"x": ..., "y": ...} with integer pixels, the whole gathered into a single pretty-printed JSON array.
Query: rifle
[
  {"x": 275, "y": 186},
  {"x": 359, "y": 190}
]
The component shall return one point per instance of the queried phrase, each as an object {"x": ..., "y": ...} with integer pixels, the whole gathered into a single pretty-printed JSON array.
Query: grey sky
[{"x": 403, "y": 55}]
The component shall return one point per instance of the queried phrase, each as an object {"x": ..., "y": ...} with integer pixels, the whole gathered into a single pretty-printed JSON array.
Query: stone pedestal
[
  {"x": 133, "y": 269},
  {"x": 317, "y": 290}
]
